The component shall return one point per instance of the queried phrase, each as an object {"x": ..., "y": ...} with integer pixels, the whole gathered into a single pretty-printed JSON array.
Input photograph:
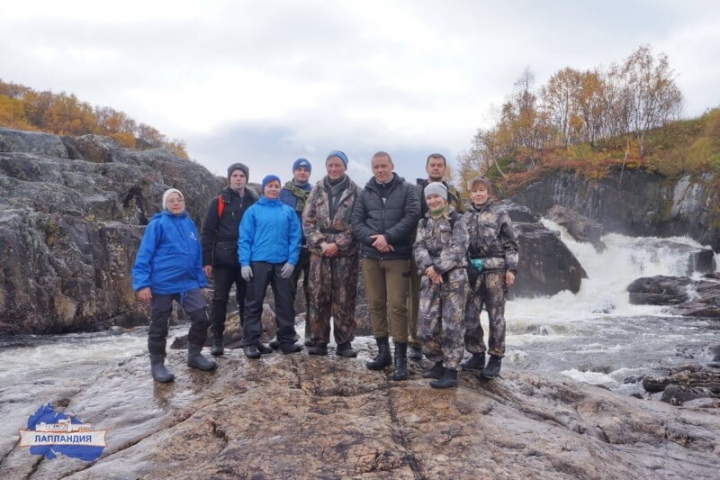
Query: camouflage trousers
[
  {"x": 441, "y": 325},
  {"x": 333, "y": 289},
  {"x": 489, "y": 290}
]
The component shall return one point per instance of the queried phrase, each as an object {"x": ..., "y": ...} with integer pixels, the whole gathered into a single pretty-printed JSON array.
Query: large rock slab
[{"x": 299, "y": 416}]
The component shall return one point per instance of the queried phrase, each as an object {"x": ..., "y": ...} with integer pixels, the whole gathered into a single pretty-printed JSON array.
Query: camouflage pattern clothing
[
  {"x": 492, "y": 240},
  {"x": 413, "y": 301},
  {"x": 333, "y": 280},
  {"x": 443, "y": 246}
]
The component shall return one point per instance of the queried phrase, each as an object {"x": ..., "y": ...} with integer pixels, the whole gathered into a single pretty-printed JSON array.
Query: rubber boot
[
  {"x": 449, "y": 380},
  {"x": 195, "y": 358},
  {"x": 159, "y": 372},
  {"x": 436, "y": 372},
  {"x": 476, "y": 362},
  {"x": 218, "y": 346},
  {"x": 492, "y": 369},
  {"x": 400, "y": 372},
  {"x": 345, "y": 350},
  {"x": 383, "y": 358}
]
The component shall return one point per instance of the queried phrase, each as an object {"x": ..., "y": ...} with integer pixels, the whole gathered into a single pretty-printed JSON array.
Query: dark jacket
[
  {"x": 220, "y": 235},
  {"x": 395, "y": 217}
]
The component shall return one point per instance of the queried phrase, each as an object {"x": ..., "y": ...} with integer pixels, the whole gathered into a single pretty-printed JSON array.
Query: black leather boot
[
  {"x": 476, "y": 362},
  {"x": 492, "y": 369},
  {"x": 218, "y": 346},
  {"x": 195, "y": 358},
  {"x": 159, "y": 372},
  {"x": 449, "y": 380},
  {"x": 251, "y": 351},
  {"x": 383, "y": 358},
  {"x": 400, "y": 372},
  {"x": 436, "y": 372}
]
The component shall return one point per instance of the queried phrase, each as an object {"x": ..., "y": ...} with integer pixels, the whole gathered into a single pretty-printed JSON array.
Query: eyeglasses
[{"x": 175, "y": 200}]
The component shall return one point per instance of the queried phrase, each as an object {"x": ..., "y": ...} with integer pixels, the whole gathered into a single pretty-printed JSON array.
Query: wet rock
[
  {"x": 693, "y": 298},
  {"x": 298, "y": 416},
  {"x": 581, "y": 228}
]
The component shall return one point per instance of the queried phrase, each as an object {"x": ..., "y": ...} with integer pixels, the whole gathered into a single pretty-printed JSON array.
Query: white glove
[
  {"x": 246, "y": 273},
  {"x": 287, "y": 270}
]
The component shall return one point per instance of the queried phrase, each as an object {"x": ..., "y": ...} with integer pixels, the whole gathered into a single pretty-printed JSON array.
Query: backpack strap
[{"x": 221, "y": 206}]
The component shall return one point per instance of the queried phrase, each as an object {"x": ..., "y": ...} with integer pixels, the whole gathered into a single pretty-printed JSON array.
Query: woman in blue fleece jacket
[
  {"x": 168, "y": 267},
  {"x": 268, "y": 250}
]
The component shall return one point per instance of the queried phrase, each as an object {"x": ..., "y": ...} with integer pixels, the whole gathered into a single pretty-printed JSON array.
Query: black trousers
[
  {"x": 265, "y": 274},
  {"x": 223, "y": 279}
]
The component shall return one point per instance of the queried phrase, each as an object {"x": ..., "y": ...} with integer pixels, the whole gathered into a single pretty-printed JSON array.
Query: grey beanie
[
  {"x": 239, "y": 166},
  {"x": 436, "y": 188}
]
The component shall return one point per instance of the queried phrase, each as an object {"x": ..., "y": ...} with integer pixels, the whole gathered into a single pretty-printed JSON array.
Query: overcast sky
[{"x": 265, "y": 82}]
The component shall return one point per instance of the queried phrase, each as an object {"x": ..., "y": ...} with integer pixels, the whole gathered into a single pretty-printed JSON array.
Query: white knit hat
[
  {"x": 167, "y": 194},
  {"x": 436, "y": 188}
]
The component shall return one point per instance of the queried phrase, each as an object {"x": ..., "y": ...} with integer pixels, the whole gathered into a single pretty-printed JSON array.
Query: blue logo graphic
[{"x": 50, "y": 433}]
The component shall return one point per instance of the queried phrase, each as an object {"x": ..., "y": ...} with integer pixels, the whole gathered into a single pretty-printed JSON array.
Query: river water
[{"x": 595, "y": 336}]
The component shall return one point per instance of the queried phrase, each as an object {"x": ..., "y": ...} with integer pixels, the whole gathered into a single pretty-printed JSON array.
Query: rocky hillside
[
  {"x": 72, "y": 212},
  {"x": 634, "y": 203}
]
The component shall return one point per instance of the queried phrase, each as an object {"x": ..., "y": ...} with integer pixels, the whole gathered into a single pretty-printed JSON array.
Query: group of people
[{"x": 429, "y": 263}]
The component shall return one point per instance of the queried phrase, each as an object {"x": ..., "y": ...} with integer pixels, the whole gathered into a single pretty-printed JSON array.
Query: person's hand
[
  {"x": 509, "y": 278},
  {"x": 145, "y": 294},
  {"x": 381, "y": 244},
  {"x": 433, "y": 275},
  {"x": 329, "y": 249},
  {"x": 287, "y": 270},
  {"x": 246, "y": 273},
  {"x": 208, "y": 271}
]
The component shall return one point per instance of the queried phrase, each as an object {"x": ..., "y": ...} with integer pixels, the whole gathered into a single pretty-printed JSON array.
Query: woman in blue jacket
[
  {"x": 168, "y": 267},
  {"x": 268, "y": 249}
]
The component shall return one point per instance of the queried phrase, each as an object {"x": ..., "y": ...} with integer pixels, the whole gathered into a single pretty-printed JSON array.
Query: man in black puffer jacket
[
  {"x": 383, "y": 220},
  {"x": 219, "y": 239}
]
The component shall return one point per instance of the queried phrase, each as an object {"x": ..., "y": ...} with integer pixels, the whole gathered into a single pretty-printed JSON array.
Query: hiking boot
[
  {"x": 492, "y": 369},
  {"x": 449, "y": 380},
  {"x": 476, "y": 362},
  {"x": 436, "y": 372},
  {"x": 195, "y": 359},
  {"x": 218, "y": 346},
  {"x": 288, "y": 348},
  {"x": 159, "y": 372},
  {"x": 383, "y": 358},
  {"x": 345, "y": 350},
  {"x": 251, "y": 351},
  {"x": 415, "y": 353},
  {"x": 318, "y": 349},
  {"x": 400, "y": 372}
]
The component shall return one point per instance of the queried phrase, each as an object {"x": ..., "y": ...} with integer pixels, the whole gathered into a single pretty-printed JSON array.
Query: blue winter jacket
[
  {"x": 170, "y": 257},
  {"x": 269, "y": 232}
]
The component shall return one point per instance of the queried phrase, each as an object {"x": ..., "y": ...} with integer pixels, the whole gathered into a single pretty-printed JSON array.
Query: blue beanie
[
  {"x": 302, "y": 162},
  {"x": 267, "y": 180},
  {"x": 339, "y": 154}
]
